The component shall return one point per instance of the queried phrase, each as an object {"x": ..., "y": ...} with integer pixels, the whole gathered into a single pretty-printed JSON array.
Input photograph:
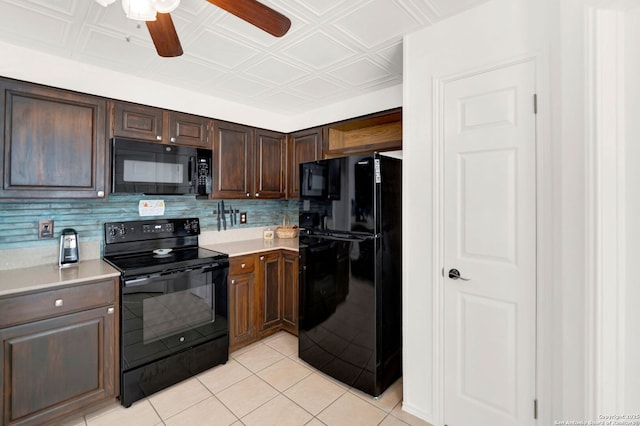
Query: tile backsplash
[{"x": 19, "y": 221}]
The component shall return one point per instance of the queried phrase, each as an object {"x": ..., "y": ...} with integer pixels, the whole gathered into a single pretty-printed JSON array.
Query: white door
[{"x": 490, "y": 239}]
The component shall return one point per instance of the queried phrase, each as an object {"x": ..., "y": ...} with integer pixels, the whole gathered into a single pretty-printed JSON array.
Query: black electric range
[{"x": 173, "y": 303}]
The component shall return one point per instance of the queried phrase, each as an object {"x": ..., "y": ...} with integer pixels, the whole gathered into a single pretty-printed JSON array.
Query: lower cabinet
[
  {"x": 269, "y": 293},
  {"x": 263, "y": 296},
  {"x": 242, "y": 324},
  {"x": 290, "y": 292},
  {"x": 58, "y": 351}
]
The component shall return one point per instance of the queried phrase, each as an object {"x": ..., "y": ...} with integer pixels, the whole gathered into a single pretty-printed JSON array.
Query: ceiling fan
[{"x": 156, "y": 14}]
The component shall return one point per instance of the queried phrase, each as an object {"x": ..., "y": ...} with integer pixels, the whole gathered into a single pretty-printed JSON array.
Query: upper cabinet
[
  {"x": 188, "y": 129},
  {"x": 302, "y": 146},
  {"x": 269, "y": 175},
  {"x": 137, "y": 121},
  {"x": 233, "y": 160},
  {"x": 154, "y": 124},
  {"x": 375, "y": 132},
  {"x": 249, "y": 163},
  {"x": 53, "y": 143}
]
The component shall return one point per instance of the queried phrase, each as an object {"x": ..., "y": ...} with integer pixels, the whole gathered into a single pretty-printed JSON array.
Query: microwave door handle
[
  {"x": 309, "y": 177},
  {"x": 191, "y": 169}
]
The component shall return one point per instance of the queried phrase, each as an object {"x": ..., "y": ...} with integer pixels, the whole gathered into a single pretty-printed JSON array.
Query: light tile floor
[{"x": 263, "y": 384}]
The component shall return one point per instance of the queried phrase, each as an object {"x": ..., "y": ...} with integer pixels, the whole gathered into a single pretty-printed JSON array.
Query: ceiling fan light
[
  {"x": 166, "y": 6},
  {"x": 105, "y": 3},
  {"x": 139, "y": 10}
]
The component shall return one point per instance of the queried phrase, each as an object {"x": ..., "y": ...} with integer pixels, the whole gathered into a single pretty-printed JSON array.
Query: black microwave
[
  {"x": 320, "y": 179},
  {"x": 156, "y": 169}
]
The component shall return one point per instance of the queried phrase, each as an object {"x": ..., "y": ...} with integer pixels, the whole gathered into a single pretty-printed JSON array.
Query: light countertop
[
  {"x": 239, "y": 248},
  {"x": 42, "y": 277},
  {"x": 51, "y": 276}
]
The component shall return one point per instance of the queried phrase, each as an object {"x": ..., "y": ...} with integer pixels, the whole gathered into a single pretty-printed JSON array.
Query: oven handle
[
  {"x": 139, "y": 281},
  {"x": 142, "y": 280}
]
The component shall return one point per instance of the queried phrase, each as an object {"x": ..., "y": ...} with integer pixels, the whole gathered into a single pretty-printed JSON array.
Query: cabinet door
[
  {"x": 290, "y": 292},
  {"x": 233, "y": 158},
  {"x": 54, "y": 366},
  {"x": 187, "y": 129},
  {"x": 269, "y": 291},
  {"x": 137, "y": 121},
  {"x": 53, "y": 143},
  {"x": 242, "y": 329},
  {"x": 270, "y": 170},
  {"x": 302, "y": 147}
]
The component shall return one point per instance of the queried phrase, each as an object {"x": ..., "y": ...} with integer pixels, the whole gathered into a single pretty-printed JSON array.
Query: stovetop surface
[
  {"x": 129, "y": 246},
  {"x": 148, "y": 262}
]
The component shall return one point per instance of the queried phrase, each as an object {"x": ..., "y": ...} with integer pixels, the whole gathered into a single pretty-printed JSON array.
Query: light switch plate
[{"x": 45, "y": 229}]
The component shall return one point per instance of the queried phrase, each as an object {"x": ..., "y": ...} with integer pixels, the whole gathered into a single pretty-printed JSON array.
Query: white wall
[
  {"x": 554, "y": 31},
  {"x": 38, "y": 67},
  {"x": 497, "y": 31}
]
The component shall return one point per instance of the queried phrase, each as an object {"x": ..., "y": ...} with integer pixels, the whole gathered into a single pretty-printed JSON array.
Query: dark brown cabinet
[
  {"x": 157, "y": 125},
  {"x": 269, "y": 291},
  {"x": 277, "y": 292},
  {"x": 58, "y": 352},
  {"x": 263, "y": 296},
  {"x": 233, "y": 159},
  {"x": 53, "y": 143},
  {"x": 302, "y": 146},
  {"x": 270, "y": 165},
  {"x": 290, "y": 283},
  {"x": 188, "y": 129},
  {"x": 242, "y": 324},
  {"x": 249, "y": 163}
]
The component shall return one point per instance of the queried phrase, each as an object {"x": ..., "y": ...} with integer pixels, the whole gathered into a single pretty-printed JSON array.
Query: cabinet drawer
[
  {"x": 30, "y": 307},
  {"x": 241, "y": 265}
]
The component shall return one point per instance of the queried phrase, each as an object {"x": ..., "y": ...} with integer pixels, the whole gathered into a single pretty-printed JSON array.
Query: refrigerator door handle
[{"x": 350, "y": 239}]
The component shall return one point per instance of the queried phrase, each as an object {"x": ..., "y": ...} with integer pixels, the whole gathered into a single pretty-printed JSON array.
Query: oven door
[{"x": 163, "y": 314}]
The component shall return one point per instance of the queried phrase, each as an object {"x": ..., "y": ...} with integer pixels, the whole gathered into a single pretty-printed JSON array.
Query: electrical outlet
[
  {"x": 243, "y": 217},
  {"x": 45, "y": 229}
]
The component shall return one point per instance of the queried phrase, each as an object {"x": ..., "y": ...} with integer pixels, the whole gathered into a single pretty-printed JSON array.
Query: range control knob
[
  {"x": 113, "y": 232},
  {"x": 123, "y": 230}
]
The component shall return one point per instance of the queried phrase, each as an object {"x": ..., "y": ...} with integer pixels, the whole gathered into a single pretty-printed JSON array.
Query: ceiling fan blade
[
  {"x": 257, "y": 14},
  {"x": 164, "y": 36}
]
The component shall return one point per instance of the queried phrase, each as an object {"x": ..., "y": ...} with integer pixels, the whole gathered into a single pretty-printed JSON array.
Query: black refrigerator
[{"x": 350, "y": 241}]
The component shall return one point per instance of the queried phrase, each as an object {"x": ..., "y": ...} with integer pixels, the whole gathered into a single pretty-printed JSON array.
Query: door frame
[
  {"x": 605, "y": 233},
  {"x": 544, "y": 238}
]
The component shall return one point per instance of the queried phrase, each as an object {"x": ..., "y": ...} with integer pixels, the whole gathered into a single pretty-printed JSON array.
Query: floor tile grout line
[{"x": 271, "y": 399}]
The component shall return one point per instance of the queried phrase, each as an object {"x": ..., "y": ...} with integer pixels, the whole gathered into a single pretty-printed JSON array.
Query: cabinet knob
[
  {"x": 233, "y": 281},
  {"x": 173, "y": 139},
  {"x": 261, "y": 257},
  {"x": 248, "y": 195},
  {"x": 58, "y": 303},
  {"x": 159, "y": 137},
  {"x": 111, "y": 310},
  {"x": 243, "y": 265},
  {"x": 100, "y": 194},
  {"x": 257, "y": 194}
]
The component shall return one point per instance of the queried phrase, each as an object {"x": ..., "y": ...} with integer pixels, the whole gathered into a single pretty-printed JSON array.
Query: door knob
[{"x": 454, "y": 274}]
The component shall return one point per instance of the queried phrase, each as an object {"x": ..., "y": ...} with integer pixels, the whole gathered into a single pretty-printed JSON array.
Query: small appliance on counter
[{"x": 69, "y": 255}]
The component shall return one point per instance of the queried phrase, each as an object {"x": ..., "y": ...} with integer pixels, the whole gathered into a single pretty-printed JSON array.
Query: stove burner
[
  {"x": 162, "y": 251},
  {"x": 162, "y": 256}
]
